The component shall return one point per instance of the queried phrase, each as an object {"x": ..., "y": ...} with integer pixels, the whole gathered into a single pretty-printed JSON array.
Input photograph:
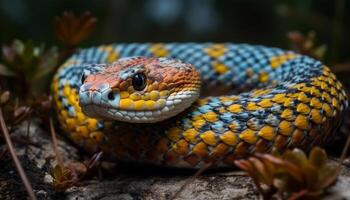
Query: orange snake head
[{"x": 139, "y": 90}]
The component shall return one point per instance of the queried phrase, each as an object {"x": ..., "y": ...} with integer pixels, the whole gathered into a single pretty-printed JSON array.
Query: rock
[
  {"x": 209, "y": 186},
  {"x": 42, "y": 150},
  {"x": 11, "y": 186},
  {"x": 37, "y": 158}
]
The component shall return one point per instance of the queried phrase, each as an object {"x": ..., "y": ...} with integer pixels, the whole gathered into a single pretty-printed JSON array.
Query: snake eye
[{"x": 139, "y": 81}]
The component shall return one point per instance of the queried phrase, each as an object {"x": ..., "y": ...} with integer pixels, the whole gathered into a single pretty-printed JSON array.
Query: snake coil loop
[{"x": 128, "y": 109}]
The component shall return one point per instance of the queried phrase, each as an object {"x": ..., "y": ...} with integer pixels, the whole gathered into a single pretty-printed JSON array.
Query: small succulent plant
[
  {"x": 25, "y": 65},
  {"x": 26, "y": 70},
  {"x": 292, "y": 175},
  {"x": 71, "y": 174},
  {"x": 305, "y": 44},
  {"x": 14, "y": 113},
  {"x": 4, "y": 97}
]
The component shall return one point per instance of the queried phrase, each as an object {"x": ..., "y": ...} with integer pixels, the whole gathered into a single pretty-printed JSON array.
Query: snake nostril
[{"x": 111, "y": 96}]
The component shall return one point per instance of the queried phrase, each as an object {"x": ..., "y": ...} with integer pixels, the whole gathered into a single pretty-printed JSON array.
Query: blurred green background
[{"x": 250, "y": 21}]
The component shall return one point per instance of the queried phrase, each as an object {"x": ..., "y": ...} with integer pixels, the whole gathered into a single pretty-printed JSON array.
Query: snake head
[{"x": 139, "y": 90}]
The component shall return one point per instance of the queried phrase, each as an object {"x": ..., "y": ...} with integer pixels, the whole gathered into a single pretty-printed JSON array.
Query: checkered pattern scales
[{"x": 288, "y": 100}]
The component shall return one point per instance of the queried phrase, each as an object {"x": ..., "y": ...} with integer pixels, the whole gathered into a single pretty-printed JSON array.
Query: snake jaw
[{"x": 170, "y": 87}]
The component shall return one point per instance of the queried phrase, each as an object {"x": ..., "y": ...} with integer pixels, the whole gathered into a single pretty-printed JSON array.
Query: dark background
[
  {"x": 265, "y": 22},
  {"x": 250, "y": 21}
]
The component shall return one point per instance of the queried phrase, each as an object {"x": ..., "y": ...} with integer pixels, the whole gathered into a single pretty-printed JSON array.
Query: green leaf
[
  {"x": 317, "y": 157},
  {"x": 4, "y": 71},
  {"x": 48, "y": 62},
  {"x": 270, "y": 168},
  {"x": 308, "y": 44},
  {"x": 320, "y": 51},
  {"x": 311, "y": 175},
  {"x": 327, "y": 176},
  {"x": 4, "y": 98},
  {"x": 275, "y": 152},
  {"x": 261, "y": 173},
  {"x": 296, "y": 157},
  {"x": 18, "y": 46},
  {"x": 285, "y": 166},
  {"x": 287, "y": 183},
  {"x": 8, "y": 53},
  {"x": 57, "y": 172}
]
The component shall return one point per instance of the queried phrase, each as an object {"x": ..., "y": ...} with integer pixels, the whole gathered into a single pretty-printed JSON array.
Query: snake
[{"x": 187, "y": 105}]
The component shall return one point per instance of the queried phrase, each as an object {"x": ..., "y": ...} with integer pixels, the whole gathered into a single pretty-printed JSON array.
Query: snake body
[{"x": 286, "y": 100}]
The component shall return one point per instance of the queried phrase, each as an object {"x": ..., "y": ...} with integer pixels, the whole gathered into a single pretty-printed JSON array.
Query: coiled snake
[{"x": 140, "y": 108}]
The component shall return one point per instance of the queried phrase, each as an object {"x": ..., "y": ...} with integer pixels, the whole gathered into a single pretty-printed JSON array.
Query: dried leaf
[
  {"x": 20, "y": 114},
  {"x": 21, "y": 111},
  {"x": 62, "y": 178},
  {"x": 71, "y": 29},
  {"x": 245, "y": 165},
  {"x": 4, "y": 98},
  {"x": 78, "y": 168}
]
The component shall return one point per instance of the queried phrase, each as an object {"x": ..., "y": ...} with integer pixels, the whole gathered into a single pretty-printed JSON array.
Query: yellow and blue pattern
[{"x": 287, "y": 100}]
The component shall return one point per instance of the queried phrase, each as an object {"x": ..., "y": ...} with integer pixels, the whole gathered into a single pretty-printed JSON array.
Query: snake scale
[{"x": 275, "y": 99}]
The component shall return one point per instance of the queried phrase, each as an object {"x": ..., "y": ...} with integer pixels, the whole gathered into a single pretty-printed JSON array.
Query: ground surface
[{"x": 127, "y": 181}]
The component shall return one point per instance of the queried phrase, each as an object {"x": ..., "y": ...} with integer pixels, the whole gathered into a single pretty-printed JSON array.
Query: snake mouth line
[
  {"x": 136, "y": 116},
  {"x": 109, "y": 113},
  {"x": 101, "y": 108}
]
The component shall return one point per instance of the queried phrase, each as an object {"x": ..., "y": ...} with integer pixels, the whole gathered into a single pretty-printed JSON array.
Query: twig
[
  {"x": 27, "y": 135},
  {"x": 191, "y": 179},
  {"x": 55, "y": 144},
  {"x": 18, "y": 165},
  {"x": 95, "y": 158},
  {"x": 298, "y": 195},
  {"x": 343, "y": 155}
]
